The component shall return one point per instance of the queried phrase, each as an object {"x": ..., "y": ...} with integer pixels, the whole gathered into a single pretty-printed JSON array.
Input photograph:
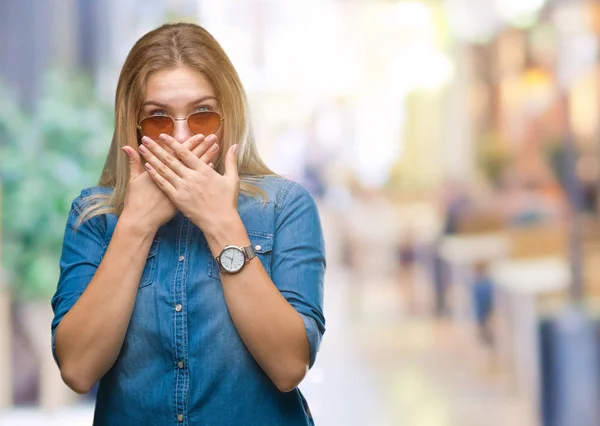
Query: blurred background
[{"x": 453, "y": 148}]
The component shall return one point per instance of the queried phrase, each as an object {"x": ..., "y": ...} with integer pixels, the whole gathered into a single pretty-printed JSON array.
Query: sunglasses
[{"x": 203, "y": 122}]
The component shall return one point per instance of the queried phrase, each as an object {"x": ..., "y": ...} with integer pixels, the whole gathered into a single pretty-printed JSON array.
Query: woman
[{"x": 191, "y": 282}]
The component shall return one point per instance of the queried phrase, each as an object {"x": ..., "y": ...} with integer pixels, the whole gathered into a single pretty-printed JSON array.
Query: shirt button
[
  {"x": 178, "y": 307},
  {"x": 181, "y": 258},
  {"x": 257, "y": 247},
  {"x": 180, "y": 417},
  {"x": 180, "y": 364}
]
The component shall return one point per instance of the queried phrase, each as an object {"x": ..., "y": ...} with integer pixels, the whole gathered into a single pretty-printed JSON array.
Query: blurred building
[{"x": 91, "y": 36}]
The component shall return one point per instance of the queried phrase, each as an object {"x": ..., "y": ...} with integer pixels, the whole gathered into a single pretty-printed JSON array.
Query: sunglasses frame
[{"x": 222, "y": 119}]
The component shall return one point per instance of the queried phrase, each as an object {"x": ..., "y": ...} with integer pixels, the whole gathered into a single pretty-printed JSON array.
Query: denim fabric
[
  {"x": 220, "y": 383},
  {"x": 482, "y": 292}
]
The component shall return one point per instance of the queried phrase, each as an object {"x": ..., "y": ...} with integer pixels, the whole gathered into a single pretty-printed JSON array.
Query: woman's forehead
[{"x": 178, "y": 87}]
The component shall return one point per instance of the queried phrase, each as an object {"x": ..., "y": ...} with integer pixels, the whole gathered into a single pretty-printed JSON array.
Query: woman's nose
[{"x": 182, "y": 131}]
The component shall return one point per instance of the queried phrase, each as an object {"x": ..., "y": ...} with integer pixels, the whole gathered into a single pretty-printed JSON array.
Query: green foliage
[
  {"x": 46, "y": 158},
  {"x": 493, "y": 156}
]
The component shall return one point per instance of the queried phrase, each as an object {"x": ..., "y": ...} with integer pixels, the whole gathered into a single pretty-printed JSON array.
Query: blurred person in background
[
  {"x": 407, "y": 256},
  {"x": 454, "y": 205},
  {"x": 482, "y": 294},
  {"x": 191, "y": 283}
]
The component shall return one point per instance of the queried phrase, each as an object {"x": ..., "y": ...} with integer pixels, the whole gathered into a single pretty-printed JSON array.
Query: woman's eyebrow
[{"x": 165, "y": 106}]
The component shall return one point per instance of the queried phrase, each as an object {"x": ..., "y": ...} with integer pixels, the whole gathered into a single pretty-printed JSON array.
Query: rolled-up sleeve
[
  {"x": 299, "y": 260},
  {"x": 80, "y": 258}
]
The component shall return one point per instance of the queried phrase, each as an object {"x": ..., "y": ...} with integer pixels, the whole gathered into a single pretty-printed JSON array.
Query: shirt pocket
[
  {"x": 263, "y": 247},
  {"x": 149, "y": 272}
]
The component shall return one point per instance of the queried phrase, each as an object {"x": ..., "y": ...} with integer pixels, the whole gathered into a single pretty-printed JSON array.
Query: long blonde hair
[{"x": 167, "y": 47}]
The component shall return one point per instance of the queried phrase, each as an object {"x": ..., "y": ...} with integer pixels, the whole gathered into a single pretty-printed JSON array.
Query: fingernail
[
  {"x": 163, "y": 137},
  {"x": 143, "y": 149},
  {"x": 215, "y": 147},
  {"x": 125, "y": 150},
  {"x": 146, "y": 140},
  {"x": 148, "y": 166},
  {"x": 235, "y": 148},
  {"x": 211, "y": 138}
]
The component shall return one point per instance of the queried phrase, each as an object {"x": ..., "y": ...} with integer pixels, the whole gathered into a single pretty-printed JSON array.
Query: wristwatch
[{"x": 232, "y": 259}]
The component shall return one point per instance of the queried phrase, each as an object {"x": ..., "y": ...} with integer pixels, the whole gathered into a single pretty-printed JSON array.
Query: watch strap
[{"x": 249, "y": 252}]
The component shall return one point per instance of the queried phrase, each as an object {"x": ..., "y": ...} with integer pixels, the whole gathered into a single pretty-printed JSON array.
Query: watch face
[{"x": 232, "y": 259}]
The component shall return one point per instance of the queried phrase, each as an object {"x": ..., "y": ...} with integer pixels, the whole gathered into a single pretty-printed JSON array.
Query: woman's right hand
[{"x": 145, "y": 203}]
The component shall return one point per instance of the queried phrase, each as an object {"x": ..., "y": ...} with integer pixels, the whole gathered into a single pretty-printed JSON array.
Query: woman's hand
[
  {"x": 195, "y": 188},
  {"x": 145, "y": 203}
]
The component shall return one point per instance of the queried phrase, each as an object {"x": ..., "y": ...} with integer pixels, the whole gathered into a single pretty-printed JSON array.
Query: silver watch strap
[{"x": 249, "y": 251}]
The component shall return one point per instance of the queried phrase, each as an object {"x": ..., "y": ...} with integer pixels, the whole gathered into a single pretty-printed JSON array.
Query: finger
[
  {"x": 193, "y": 142},
  {"x": 150, "y": 150},
  {"x": 210, "y": 153},
  {"x": 231, "y": 170},
  {"x": 211, "y": 165},
  {"x": 160, "y": 167},
  {"x": 201, "y": 149},
  {"x": 134, "y": 160},
  {"x": 181, "y": 151},
  {"x": 162, "y": 183}
]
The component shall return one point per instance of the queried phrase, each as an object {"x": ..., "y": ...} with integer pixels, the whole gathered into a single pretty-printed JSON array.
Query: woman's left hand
[{"x": 207, "y": 198}]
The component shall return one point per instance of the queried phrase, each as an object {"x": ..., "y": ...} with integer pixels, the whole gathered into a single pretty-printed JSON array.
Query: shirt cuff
[{"x": 314, "y": 336}]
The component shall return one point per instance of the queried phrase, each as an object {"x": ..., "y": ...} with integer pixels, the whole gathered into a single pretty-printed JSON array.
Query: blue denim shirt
[{"x": 182, "y": 361}]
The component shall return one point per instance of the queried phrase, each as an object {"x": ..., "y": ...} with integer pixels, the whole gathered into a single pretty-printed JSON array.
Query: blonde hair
[{"x": 167, "y": 47}]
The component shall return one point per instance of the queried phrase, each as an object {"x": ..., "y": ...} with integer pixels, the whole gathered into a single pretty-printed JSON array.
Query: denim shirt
[{"x": 182, "y": 361}]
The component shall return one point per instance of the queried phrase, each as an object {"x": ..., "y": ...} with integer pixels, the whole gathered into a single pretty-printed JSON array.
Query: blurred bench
[
  {"x": 480, "y": 238},
  {"x": 462, "y": 253}
]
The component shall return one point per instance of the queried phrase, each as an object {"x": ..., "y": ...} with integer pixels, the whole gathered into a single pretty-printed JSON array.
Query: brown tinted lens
[
  {"x": 205, "y": 123},
  {"x": 154, "y": 126}
]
